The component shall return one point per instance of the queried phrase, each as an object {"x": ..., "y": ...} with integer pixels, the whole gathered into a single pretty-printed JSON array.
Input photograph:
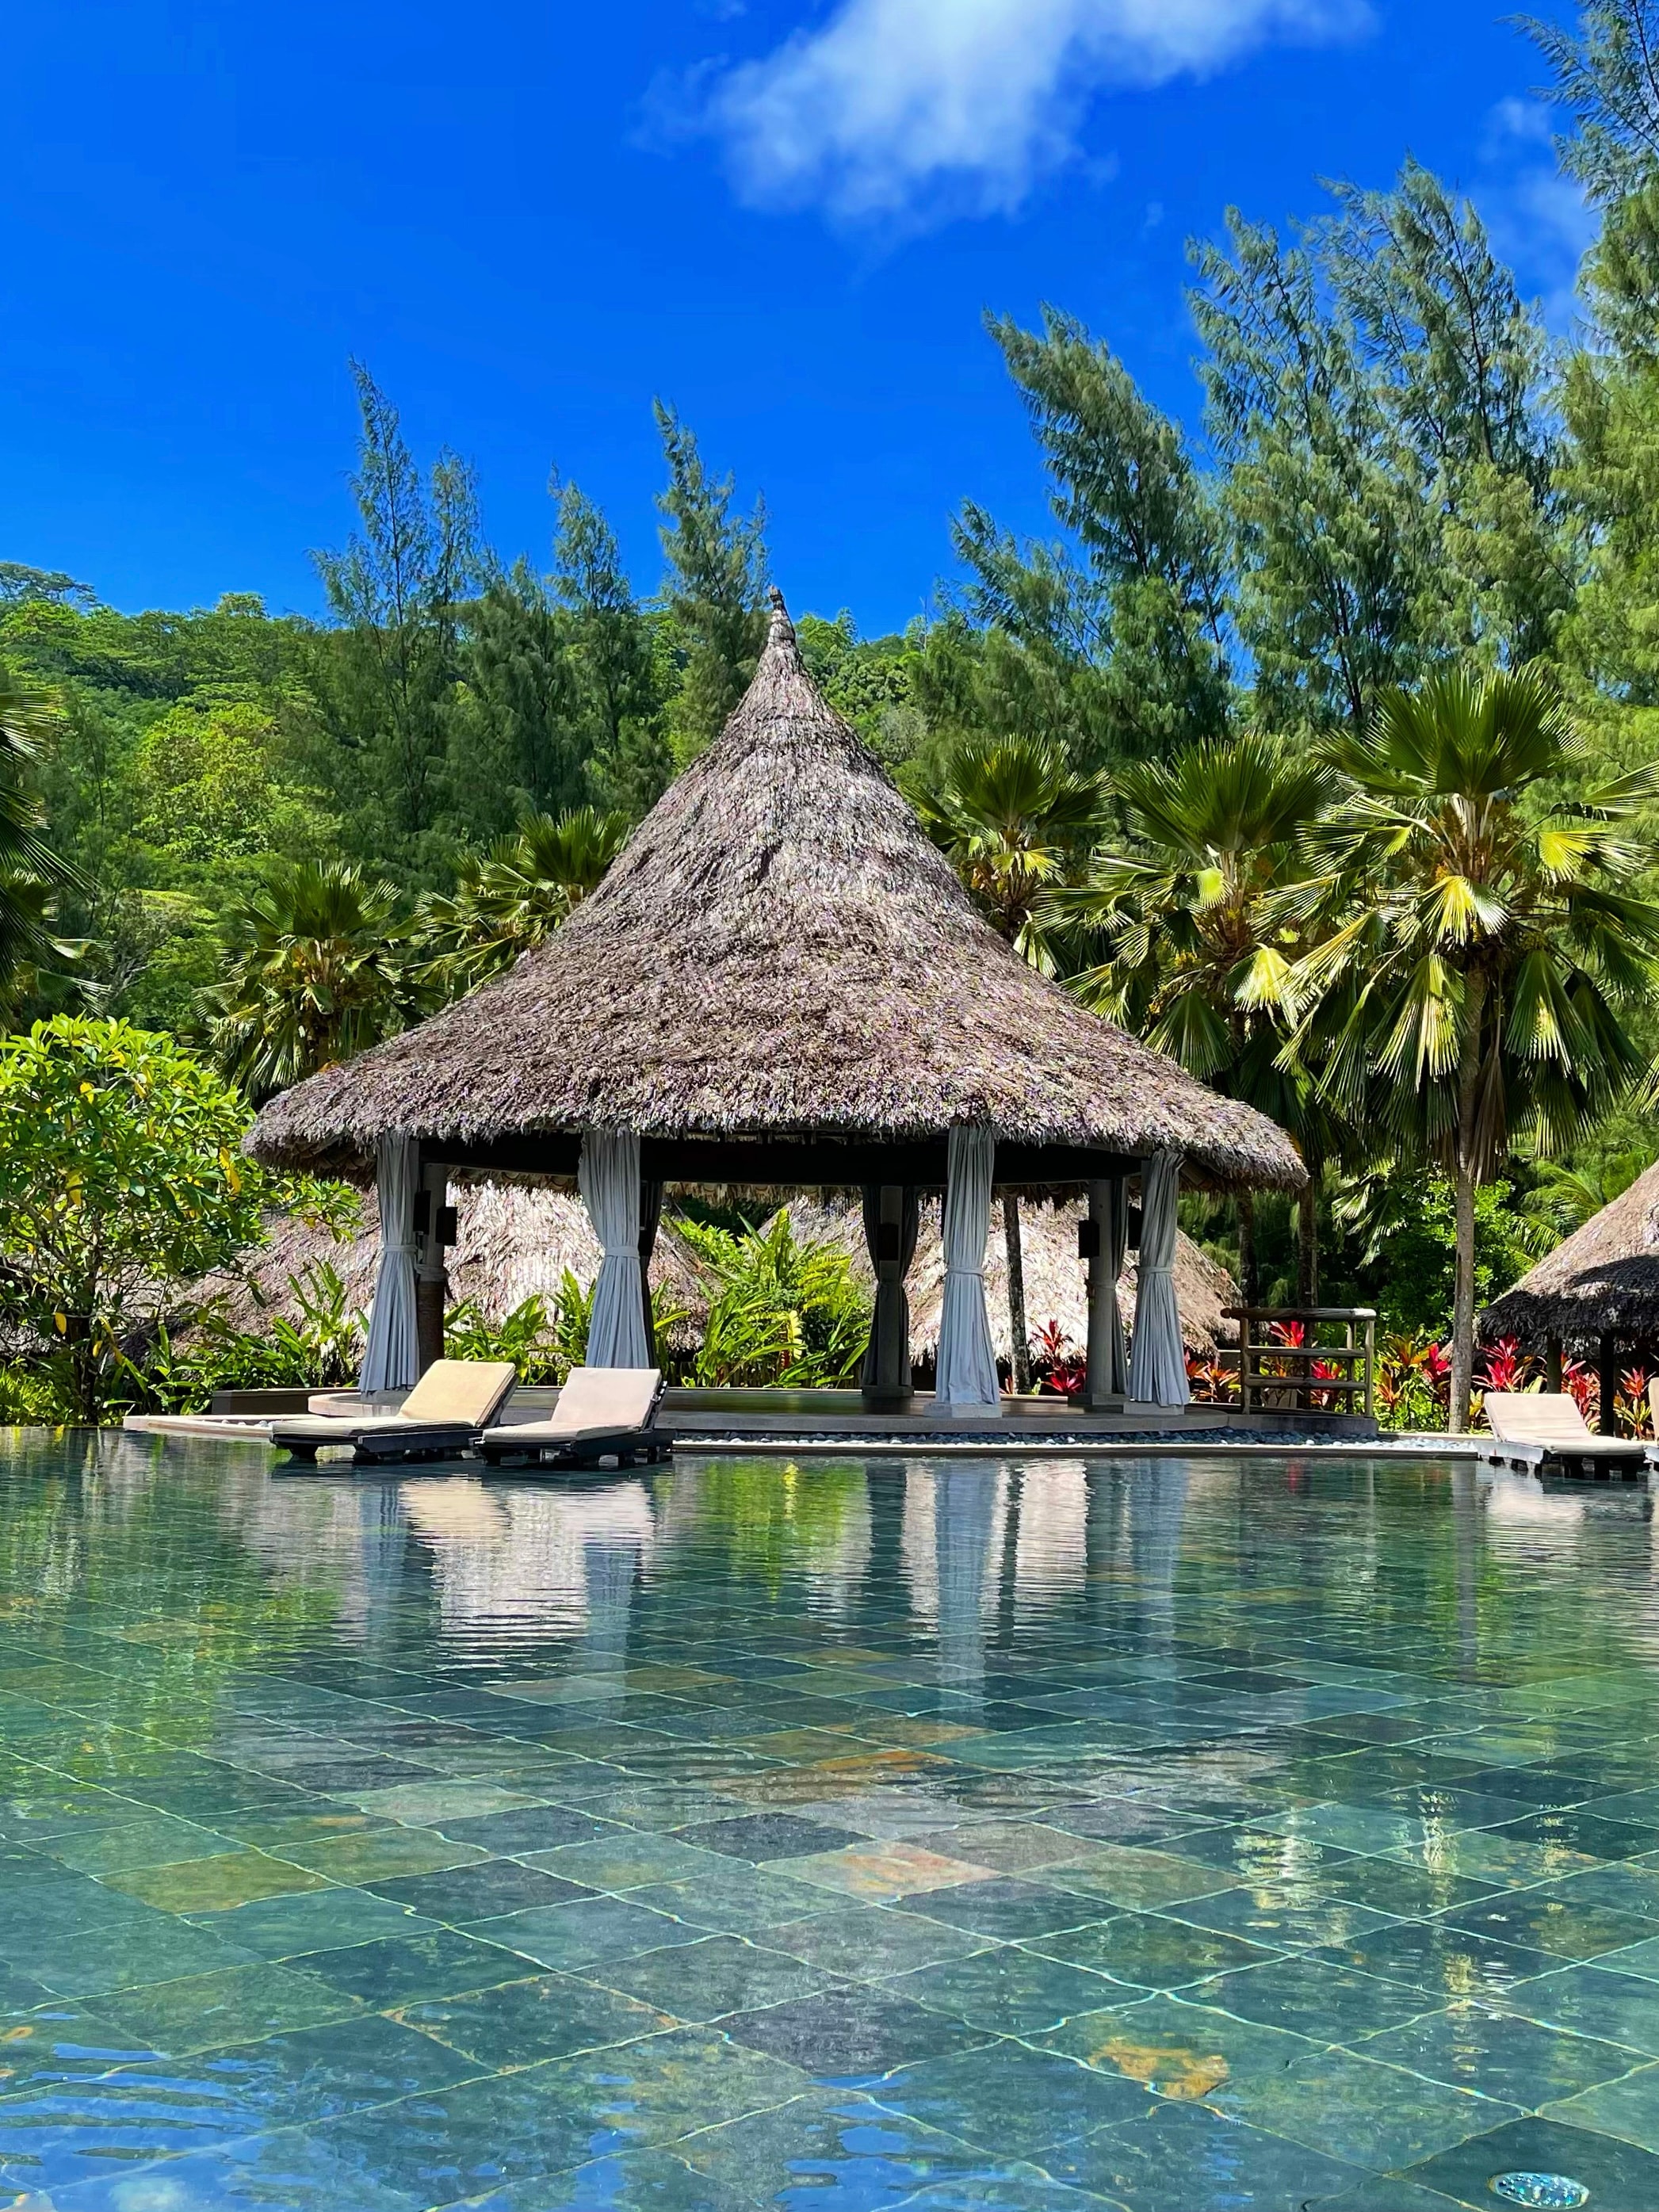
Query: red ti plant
[
  {"x": 1584, "y": 1385},
  {"x": 1631, "y": 1407},
  {"x": 1210, "y": 1383},
  {"x": 1059, "y": 1366},
  {"x": 1505, "y": 1366}
]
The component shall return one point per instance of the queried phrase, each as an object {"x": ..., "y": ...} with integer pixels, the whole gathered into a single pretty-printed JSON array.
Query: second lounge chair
[
  {"x": 1544, "y": 1430},
  {"x": 604, "y": 1414}
]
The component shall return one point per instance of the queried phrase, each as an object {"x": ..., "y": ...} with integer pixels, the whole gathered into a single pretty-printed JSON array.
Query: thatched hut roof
[
  {"x": 514, "y": 1241},
  {"x": 778, "y": 952},
  {"x": 1603, "y": 1280},
  {"x": 1056, "y": 1287}
]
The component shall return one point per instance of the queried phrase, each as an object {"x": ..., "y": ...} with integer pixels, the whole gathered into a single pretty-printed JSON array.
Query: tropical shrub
[
  {"x": 1058, "y": 1365},
  {"x": 783, "y": 1311},
  {"x": 319, "y": 1347},
  {"x": 543, "y": 1346},
  {"x": 122, "y": 1178}
]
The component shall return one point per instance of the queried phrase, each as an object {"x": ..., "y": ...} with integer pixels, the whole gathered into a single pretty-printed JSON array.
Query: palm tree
[
  {"x": 1486, "y": 946},
  {"x": 315, "y": 970},
  {"x": 30, "y": 873},
  {"x": 1199, "y": 932},
  {"x": 514, "y": 896},
  {"x": 1017, "y": 821}
]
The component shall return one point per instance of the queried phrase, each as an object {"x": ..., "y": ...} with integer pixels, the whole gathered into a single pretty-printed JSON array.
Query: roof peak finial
[{"x": 780, "y": 630}]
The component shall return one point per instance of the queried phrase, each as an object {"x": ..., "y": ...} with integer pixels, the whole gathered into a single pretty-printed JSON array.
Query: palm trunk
[
  {"x": 1247, "y": 1267},
  {"x": 1306, "y": 1244},
  {"x": 1016, "y": 1328},
  {"x": 1469, "y": 1104},
  {"x": 1462, "y": 1365}
]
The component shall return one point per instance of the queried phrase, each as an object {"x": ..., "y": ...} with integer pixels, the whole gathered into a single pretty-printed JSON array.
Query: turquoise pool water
[{"x": 1179, "y": 1836}]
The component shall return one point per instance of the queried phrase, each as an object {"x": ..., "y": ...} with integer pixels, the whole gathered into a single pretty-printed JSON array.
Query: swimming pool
[{"x": 1175, "y": 1835}]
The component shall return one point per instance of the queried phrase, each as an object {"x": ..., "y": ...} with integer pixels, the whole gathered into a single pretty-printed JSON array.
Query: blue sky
[{"x": 528, "y": 216}]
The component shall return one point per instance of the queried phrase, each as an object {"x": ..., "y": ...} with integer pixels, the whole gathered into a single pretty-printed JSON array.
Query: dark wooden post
[
  {"x": 435, "y": 1222},
  {"x": 1609, "y": 1367},
  {"x": 1553, "y": 1364}
]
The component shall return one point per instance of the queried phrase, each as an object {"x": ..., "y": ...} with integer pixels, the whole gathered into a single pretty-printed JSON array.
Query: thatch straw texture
[
  {"x": 1055, "y": 1286},
  {"x": 515, "y": 1241},
  {"x": 778, "y": 952},
  {"x": 1603, "y": 1280}
]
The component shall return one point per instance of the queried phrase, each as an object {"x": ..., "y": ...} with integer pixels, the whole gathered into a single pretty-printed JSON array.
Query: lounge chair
[
  {"x": 604, "y": 1415},
  {"x": 442, "y": 1416},
  {"x": 1544, "y": 1431}
]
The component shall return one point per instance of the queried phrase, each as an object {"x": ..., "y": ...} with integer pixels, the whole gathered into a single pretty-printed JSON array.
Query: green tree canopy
[
  {"x": 121, "y": 1177},
  {"x": 315, "y": 969},
  {"x": 715, "y": 587},
  {"x": 514, "y": 896}
]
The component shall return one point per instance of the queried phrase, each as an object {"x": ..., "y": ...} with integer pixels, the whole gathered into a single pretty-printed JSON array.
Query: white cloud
[
  {"x": 1540, "y": 222},
  {"x": 894, "y": 107}
]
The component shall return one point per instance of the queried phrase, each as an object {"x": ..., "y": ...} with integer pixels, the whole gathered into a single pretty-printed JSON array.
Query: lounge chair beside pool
[
  {"x": 443, "y": 1415},
  {"x": 1544, "y": 1431},
  {"x": 604, "y": 1413}
]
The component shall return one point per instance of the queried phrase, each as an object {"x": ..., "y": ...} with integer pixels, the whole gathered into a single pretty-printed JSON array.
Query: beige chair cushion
[
  {"x": 467, "y": 1391},
  {"x": 595, "y": 1402},
  {"x": 1546, "y": 1418}
]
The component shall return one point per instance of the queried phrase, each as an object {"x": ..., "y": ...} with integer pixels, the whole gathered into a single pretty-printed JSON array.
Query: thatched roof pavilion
[
  {"x": 780, "y": 962},
  {"x": 781, "y": 982},
  {"x": 1601, "y": 1283}
]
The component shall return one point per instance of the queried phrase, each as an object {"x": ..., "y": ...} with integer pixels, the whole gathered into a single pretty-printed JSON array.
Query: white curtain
[
  {"x": 391, "y": 1358},
  {"x": 967, "y": 1378},
  {"x": 1157, "y": 1361},
  {"x": 608, "y": 1176}
]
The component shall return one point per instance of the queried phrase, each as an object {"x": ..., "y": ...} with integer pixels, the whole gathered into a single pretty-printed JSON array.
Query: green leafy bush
[
  {"x": 320, "y": 1348},
  {"x": 122, "y": 1177},
  {"x": 784, "y": 1312},
  {"x": 542, "y": 1347}
]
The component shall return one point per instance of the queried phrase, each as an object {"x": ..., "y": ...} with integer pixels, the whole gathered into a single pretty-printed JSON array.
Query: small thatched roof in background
[
  {"x": 779, "y": 951},
  {"x": 1603, "y": 1280},
  {"x": 1055, "y": 1286},
  {"x": 515, "y": 1241}
]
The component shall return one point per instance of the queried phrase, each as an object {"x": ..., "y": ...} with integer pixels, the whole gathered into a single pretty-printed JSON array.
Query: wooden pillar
[
  {"x": 1019, "y": 1341},
  {"x": 650, "y": 1217},
  {"x": 1104, "y": 1391},
  {"x": 1609, "y": 1367},
  {"x": 1553, "y": 1364},
  {"x": 434, "y": 1220},
  {"x": 890, "y": 1223}
]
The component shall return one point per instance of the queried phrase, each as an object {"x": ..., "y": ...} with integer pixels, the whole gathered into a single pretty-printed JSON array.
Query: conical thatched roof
[
  {"x": 1603, "y": 1280},
  {"x": 1056, "y": 1285},
  {"x": 778, "y": 952}
]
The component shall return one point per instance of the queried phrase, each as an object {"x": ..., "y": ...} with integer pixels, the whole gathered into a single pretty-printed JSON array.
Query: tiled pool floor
[{"x": 1174, "y": 1836}]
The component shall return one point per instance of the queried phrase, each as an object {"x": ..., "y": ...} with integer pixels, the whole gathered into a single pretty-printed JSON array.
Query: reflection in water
[
  {"x": 954, "y": 1516},
  {"x": 1051, "y": 1553},
  {"x": 513, "y": 1563},
  {"x": 1135, "y": 1512}
]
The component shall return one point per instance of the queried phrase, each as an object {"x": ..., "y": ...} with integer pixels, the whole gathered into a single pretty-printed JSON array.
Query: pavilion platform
[
  {"x": 691, "y": 1416},
  {"x": 762, "y": 1420}
]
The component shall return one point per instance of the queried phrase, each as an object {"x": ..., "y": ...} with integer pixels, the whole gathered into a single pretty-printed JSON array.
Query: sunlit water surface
[{"x": 1174, "y": 1835}]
